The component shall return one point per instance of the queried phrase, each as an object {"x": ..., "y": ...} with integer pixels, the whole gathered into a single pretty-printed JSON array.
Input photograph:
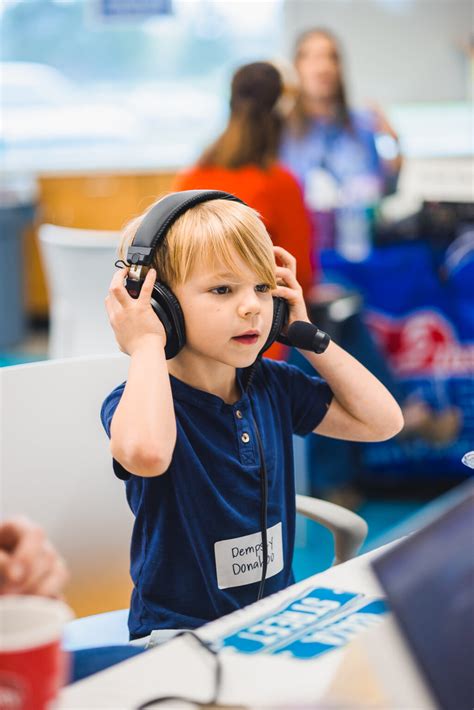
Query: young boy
[{"x": 184, "y": 432}]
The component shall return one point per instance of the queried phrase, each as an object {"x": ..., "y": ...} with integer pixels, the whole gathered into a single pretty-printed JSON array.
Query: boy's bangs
[
  {"x": 209, "y": 236},
  {"x": 222, "y": 257},
  {"x": 221, "y": 230}
]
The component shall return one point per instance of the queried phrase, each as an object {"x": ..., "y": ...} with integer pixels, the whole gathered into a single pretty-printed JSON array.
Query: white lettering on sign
[{"x": 341, "y": 632}]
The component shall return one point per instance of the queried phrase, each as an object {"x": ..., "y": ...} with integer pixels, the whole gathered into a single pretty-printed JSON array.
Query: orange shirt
[{"x": 276, "y": 195}]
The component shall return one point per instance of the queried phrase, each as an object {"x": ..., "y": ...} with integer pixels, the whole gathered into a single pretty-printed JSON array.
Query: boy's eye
[{"x": 224, "y": 290}]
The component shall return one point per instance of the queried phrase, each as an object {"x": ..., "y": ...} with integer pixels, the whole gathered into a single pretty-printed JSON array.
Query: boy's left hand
[{"x": 288, "y": 286}]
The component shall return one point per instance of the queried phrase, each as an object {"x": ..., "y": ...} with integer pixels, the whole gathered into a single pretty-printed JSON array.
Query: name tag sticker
[{"x": 239, "y": 560}]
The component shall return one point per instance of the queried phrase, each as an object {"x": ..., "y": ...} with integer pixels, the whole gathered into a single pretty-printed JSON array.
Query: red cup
[{"x": 32, "y": 664}]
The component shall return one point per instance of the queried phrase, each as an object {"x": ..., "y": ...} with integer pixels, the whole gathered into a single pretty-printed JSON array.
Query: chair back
[
  {"x": 79, "y": 264},
  {"x": 56, "y": 468}
]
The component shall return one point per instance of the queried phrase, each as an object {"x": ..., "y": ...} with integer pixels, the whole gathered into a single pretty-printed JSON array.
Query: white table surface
[{"x": 181, "y": 667}]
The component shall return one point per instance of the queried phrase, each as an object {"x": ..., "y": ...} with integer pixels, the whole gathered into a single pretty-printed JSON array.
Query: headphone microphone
[{"x": 307, "y": 336}]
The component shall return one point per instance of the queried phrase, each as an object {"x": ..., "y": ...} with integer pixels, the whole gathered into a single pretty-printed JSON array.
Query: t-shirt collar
[{"x": 186, "y": 393}]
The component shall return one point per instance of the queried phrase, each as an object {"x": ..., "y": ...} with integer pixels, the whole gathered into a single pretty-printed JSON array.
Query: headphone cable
[
  {"x": 263, "y": 508},
  {"x": 250, "y": 374},
  {"x": 217, "y": 684}
]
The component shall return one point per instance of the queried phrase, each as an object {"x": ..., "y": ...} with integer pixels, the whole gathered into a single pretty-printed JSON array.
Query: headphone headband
[{"x": 154, "y": 226}]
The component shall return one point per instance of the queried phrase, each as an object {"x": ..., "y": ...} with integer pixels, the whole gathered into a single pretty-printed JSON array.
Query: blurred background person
[
  {"x": 324, "y": 133},
  {"x": 333, "y": 152},
  {"x": 29, "y": 564},
  {"x": 243, "y": 161}
]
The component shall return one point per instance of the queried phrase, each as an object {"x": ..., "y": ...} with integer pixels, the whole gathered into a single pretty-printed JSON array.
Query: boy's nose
[{"x": 249, "y": 306}]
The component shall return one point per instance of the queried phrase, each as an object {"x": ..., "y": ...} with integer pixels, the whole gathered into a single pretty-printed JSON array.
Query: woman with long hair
[
  {"x": 335, "y": 152},
  {"x": 323, "y": 132},
  {"x": 243, "y": 160}
]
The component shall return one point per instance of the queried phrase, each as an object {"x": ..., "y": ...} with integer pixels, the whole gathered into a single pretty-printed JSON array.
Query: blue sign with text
[
  {"x": 135, "y": 8},
  {"x": 312, "y": 624}
]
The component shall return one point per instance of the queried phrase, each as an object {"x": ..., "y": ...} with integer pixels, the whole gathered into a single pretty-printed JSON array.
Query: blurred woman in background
[
  {"x": 345, "y": 161},
  {"x": 324, "y": 133},
  {"x": 243, "y": 161}
]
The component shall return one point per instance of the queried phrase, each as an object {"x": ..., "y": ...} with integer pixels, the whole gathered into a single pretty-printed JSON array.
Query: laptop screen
[{"x": 428, "y": 579}]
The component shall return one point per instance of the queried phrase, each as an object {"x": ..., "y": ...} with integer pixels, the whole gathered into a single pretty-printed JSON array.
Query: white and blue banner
[{"x": 314, "y": 623}]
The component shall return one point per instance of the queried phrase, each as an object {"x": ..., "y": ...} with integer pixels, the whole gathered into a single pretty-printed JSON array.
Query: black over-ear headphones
[{"x": 150, "y": 235}]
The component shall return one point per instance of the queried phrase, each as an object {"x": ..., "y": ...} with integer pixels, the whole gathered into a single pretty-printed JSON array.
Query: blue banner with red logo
[{"x": 421, "y": 314}]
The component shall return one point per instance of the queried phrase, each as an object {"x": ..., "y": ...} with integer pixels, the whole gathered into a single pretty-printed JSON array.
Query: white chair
[
  {"x": 55, "y": 467},
  {"x": 79, "y": 264}
]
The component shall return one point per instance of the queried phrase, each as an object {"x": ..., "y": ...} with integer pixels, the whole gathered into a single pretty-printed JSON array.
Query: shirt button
[
  {"x": 245, "y": 437},
  {"x": 238, "y": 414}
]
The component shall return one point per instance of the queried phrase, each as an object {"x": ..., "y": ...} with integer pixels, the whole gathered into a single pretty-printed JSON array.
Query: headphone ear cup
[
  {"x": 280, "y": 318},
  {"x": 167, "y": 308}
]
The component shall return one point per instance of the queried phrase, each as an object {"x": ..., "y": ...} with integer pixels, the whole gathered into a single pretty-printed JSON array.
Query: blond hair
[{"x": 209, "y": 234}]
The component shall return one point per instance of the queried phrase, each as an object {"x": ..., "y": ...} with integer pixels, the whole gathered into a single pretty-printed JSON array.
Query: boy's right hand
[{"x": 133, "y": 319}]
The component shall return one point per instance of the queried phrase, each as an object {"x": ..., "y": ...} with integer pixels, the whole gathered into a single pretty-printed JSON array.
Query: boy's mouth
[{"x": 248, "y": 338}]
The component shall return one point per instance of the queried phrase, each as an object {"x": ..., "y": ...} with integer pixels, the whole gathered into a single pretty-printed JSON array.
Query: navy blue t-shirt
[{"x": 196, "y": 542}]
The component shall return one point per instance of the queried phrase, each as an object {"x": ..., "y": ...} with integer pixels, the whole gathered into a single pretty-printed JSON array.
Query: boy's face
[{"x": 228, "y": 315}]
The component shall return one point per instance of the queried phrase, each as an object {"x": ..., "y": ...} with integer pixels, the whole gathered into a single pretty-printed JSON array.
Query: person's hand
[
  {"x": 288, "y": 286},
  {"x": 133, "y": 319},
  {"x": 382, "y": 124},
  {"x": 29, "y": 564}
]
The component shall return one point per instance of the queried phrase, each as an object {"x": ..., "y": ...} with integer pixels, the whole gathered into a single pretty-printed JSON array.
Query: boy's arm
[
  {"x": 362, "y": 409},
  {"x": 143, "y": 428}
]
